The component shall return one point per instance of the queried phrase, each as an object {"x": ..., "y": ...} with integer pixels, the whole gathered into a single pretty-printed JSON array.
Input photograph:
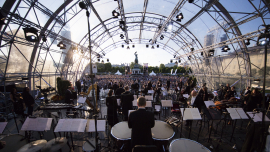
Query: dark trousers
[{"x": 30, "y": 110}]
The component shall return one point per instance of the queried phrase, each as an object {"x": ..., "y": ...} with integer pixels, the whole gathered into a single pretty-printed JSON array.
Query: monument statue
[{"x": 136, "y": 57}]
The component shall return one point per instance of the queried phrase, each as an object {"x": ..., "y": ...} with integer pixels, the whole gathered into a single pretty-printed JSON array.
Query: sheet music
[
  {"x": 157, "y": 107},
  {"x": 187, "y": 114},
  {"x": 148, "y": 104},
  {"x": 37, "y": 124},
  {"x": 195, "y": 114},
  {"x": 2, "y": 126},
  {"x": 149, "y": 97},
  {"x": 241, "y": 113},
  {"x": 70, "y": 125},
  {"x": 233, "y": 113},
  {"x": 186, "y": 95},
  {"x": 255, "y": 117},
  {"x": 129, "y": 111},
  {"x": 134, "y": 103},
  {"x": 265, "y": 118},
  {"x": 209, "y": 103},
  {"x": 81, "y": 100},
  {"x": 91, "y": 125},
  {"x": 151, "y": 91},
  {"x": 166, "y": 103},
  {"x": 135, "y": 97}
]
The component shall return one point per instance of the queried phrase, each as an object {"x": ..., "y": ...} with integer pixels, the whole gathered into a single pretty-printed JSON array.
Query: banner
[
  {"x": 175, "y": 72},
  {"x": 171, "y": 71}
]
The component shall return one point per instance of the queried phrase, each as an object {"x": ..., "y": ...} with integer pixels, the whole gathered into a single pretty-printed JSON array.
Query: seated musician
[
  {"x": 253, "y": 100},
  {"x": 141, "y": 122}
]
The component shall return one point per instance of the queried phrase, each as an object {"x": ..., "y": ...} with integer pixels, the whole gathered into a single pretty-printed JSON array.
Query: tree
[
  {"x": 108, "y": 67},
  {"x": 132, "y": 65},
  {"x": 161, "y": 68}
]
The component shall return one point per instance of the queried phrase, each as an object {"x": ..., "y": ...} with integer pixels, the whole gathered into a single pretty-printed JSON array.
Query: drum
[
  {"x": 183, "y": 144},
  {"x": 54, "y": 144},
  {"x": 10, "y": 140},
  {"x": 162, "y": 131},
  {"x": 33, "y": 146},
  {"x": 120, "y": 131}
]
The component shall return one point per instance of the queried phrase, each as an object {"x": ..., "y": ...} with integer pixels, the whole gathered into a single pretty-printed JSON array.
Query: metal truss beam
[
  {"x": 143, "y": 16},
  {"x": 176, "y": 9},
  {"x": 227, "y": 42},
  {"x": 123, "y": 18}
]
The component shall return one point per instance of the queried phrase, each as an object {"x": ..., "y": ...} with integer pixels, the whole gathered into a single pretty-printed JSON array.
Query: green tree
[
  {"x": 108, "y": 67},
  {"x": 132, "y": 65},
  {"x": 161, "y": 68}
]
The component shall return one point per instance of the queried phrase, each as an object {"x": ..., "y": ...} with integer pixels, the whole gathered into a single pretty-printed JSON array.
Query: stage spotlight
[
  {"x": 157, "y": 46},
  {"x": 133, "y": 46},
  {"x": 130, "y": 40},
  {"x": 189, "y": 57},
  {"x": 122, "y": 36},
  {"x": 190, "y": 1},
  {"x": 103, "y": 54},
  {"x": 179, "y": 61},
  {"x": 82, "y": 5},
  {"x": 174, "y": 56},
  {"x": 161, "y": 37},
  {"x": 44, "y": 39},
  {"x": 176, "y": 62},
  {"x": 179, "y": 17},
  {"x": 115, "y": 14},
  {"x": 30, "y": 34},
  {"x": 150, "y": 40},
  {"x": 122, "y": 25},
  {"x": 107, "y": 60},
  {"x": 225, "y": 48},
  {"x": 211, "y": 52},
  {"x": 191, "y": 49},
  {"x": 152, "y": 47},
  {"x": 201, "y": 53},
  {"x": 264, "y": 38},
  {"x": 61, "y": 45},
  {"x": 102, "y": 62},
  {"x": 171, "y": 61},
  {"x": 147, "y": 45},
  {"x": 98, "y": 60},
  {"x": 123, "y": 46},
  {"x": 248, "y": 42},
  {"x": 128, "y": 47}
]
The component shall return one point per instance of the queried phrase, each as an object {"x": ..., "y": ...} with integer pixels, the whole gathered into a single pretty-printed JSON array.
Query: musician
[
  {"x": 232, "y": 92},
  {"x": 195, "y": 100},
  {"x": 168, "y": 84},
  {"x": 144, "y": 90},
  {"x": 78, "y": 86},
  {"x": 126, "y": 102},
  {"x": 149, "y": 85},
  {"x": 28, "y": 100},
  {"x": 69, "y": 96},
  {"x": 120, "y": 90},
  {"x": 141, "y": 122},
  {"x": 180, "y": 85},
  {"x": 96, "y": 88},
  {"x": 115, "y": 87},
  {"x": 19, "y": 105},
  {"x": 111, "y": 103},
  {"x": 246, "y": 92},
  {"x": 253, "y": 100},
  {"x": 187, "y": 90}
]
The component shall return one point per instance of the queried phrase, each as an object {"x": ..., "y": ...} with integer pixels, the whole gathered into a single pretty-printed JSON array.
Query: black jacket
[
  {"x": 119, "y": 91},
  {"x": 68, "y": 97},
  {"x": 28, "y": 99},
  {"x": 141, "y": 122},
  {"x": 126, "y": 103},
  {"x": 111, "y": 103}
]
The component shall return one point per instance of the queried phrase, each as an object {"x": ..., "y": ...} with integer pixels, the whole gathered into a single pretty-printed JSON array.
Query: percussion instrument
[
  {"x": 10, "y": 140},
  {"x": 120, "y": 131},
  {"x": 54, "y": 144},
  {"x": 183, "y": 144},
  {"x": 33, "y": 146},
  {"x": 55, "y": 106}
]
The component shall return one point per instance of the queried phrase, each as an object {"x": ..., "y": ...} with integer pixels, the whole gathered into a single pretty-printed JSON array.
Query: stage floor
[{"x": 215, "y": 144}]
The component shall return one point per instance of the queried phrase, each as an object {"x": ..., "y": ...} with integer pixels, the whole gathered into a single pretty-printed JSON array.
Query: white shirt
[{"x": 192, "y": 100}]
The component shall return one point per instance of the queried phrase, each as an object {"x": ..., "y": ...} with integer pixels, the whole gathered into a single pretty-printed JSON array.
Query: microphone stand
[{"x": 83, "y": 6}]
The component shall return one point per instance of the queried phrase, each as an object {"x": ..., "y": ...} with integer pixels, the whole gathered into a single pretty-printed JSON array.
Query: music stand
[
  {"x": 3, "y": 126},
  {"x": 166, "y": 103},
  {"x": 191, "y": 114},
  {"x": 149, "y": 98},
  {"x": 149, "y": 104}
]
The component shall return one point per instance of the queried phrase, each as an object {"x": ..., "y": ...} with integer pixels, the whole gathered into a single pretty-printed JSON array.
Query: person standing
[
  {"x": 126, "y": 102},
  {"x": 119, "y": 91},
  {"x": 111, "y": 103},
  {"x": 253, "y": 100},
  {"x": 141, "y": 122},
  {"x": 28, "y": 100},
  {"x": 79, "y": 86},
  {"x": 69, "y": 96}
]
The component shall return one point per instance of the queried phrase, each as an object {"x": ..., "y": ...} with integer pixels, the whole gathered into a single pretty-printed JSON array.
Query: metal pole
[{"x": 92, "y": 81}]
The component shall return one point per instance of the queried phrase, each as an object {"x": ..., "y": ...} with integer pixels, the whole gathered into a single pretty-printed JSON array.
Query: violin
[{"x": 223, "y": 103}]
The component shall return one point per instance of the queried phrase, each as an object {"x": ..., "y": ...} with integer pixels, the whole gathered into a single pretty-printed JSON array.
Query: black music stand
[{"x": 145, "y": 148}]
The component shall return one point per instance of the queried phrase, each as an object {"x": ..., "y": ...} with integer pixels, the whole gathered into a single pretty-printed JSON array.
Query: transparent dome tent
[{"x": 195, "y": 31}]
